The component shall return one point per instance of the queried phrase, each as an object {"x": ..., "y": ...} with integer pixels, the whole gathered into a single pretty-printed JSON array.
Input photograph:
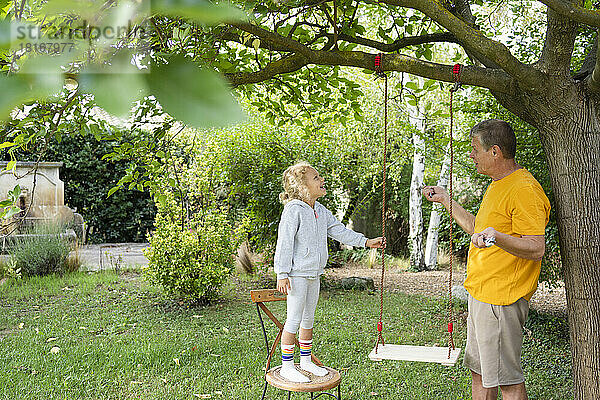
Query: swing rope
[
  {"x": 456, "y": 75},
  {"x": 380, "y": 73}
]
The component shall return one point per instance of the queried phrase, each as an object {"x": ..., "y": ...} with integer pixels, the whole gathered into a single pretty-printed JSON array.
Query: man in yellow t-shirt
[{"x": 503, "y": 266}]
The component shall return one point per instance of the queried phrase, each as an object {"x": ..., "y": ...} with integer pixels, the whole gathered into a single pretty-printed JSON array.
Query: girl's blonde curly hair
[{"x": 294, "y": 183}]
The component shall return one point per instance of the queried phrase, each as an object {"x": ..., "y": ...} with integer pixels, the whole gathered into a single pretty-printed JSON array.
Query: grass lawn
[{"x": 120, "y": 338}]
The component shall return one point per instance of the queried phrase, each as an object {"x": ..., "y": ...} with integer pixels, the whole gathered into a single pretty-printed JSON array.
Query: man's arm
[
  {"x": 531, "y": 247},
  {"x": 463, "y": 218}
]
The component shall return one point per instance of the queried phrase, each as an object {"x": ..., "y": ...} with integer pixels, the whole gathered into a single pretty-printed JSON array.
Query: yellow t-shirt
[{"x": 515, "y": 205}]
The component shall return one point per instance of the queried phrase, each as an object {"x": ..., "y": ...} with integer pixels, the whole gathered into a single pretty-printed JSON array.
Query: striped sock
[
  {"x": 305, "y": 348},
  {"x": 305, "y": 359},
  {"x": 288, "y": 370},
  {"x": 287, "y": 354}
]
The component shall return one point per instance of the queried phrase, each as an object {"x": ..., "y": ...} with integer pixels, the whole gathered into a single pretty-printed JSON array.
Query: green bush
[
  {"x": 191, "y": 261},
  {"x": 8, "y": 269},
  {"x": 42, "y": 253}
]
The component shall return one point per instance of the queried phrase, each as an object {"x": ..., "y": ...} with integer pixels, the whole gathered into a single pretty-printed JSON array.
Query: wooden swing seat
[{"x": 415, "y": 353}]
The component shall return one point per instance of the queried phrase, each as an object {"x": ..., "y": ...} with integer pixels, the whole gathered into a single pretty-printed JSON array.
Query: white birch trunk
[
  {"x": 415, "y": 210},
  {"x": 431, "y": 247}
]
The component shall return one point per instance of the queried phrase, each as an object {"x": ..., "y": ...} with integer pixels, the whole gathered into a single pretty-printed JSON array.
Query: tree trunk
[
  {"x": 569, "y": 124},
  {"x": 572, "y": 147},
  {"x": 415, "y": 210},
  {"x": 431, "y": 246}
]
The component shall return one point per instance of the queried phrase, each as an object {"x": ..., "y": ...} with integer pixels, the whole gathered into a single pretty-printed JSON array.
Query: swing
[{"x": 442, "y": 355}]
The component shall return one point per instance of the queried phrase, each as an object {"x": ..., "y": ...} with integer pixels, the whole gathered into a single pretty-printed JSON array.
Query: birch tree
[
  {"x": 431, "y": 246},
  {"x": 416, "y": 117}
]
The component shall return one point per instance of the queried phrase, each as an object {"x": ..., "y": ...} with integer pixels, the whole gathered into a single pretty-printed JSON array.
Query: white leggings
[{"x": 302, "y": 303}]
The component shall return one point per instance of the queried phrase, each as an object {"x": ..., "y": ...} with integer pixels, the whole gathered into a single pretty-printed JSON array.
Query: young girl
[{"x": 300, "y": 257}]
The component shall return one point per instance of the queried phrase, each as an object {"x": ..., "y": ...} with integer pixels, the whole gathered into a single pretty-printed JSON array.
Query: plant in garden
[
  {"x": 8, "y": 269},
  {"x": 194, "y": 261},
  {"x": 43, "y": 252}
]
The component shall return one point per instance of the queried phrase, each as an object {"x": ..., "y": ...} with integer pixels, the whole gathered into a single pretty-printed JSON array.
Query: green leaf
[
  {"x": 5, "y": 34},
  {"x": 412, "y": 86},
  {"x": 11, "y": 165},
  {"x": 6, "y": 203},
  {"x": 16, "y": 192},
  {"x": 194, "y": 95},
  {"x": 14, "y": 92},
  {"x": 43, "y": 74},
  {"x": 11, "y": 211},
  {"x": 6, "y": 144},
  {"x": 202, "y": 11},
  {"x": 112, "y": 190},
  {"x": 83, "y": 8},
  {"x": 429, "y": 83},
  {"x": 428, "y": 54},
  {"x": 114, "y": 92},
  {"x": 161, "y": 198}
]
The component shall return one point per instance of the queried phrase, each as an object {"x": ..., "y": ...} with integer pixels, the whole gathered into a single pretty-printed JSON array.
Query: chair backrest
[{"x": 266, "y": 295}]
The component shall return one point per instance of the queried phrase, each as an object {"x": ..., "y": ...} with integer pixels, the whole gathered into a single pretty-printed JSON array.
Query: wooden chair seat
[{"x": 316, "y": 384}]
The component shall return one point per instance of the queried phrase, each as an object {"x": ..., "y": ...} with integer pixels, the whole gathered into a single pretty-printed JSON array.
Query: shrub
[
  {"x": 191, "y": 261},
  {"x": 8, "y": 269},
  {"x": 44, "y": 252}
]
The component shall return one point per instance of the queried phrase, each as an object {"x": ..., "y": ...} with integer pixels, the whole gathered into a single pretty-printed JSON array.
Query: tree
[
  {"x": 557, "y": 94},
  {"x": 415, "y": 210},
  {"x": 431, "y": 245}
]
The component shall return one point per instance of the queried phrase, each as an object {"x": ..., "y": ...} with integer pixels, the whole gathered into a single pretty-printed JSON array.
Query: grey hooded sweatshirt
[{"x": 302, "y": 239}]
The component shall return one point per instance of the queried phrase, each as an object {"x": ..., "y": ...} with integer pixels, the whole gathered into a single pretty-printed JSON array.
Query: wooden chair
[{"x": 272, "y": 377}]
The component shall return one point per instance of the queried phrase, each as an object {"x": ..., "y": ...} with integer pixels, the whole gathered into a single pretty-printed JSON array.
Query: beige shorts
[{"x": 494, "y": 340}]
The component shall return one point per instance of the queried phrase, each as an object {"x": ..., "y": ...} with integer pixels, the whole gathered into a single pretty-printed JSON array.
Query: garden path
[
  {"x": 95, "y": 257},
  {"x": 435, "y": 284}
]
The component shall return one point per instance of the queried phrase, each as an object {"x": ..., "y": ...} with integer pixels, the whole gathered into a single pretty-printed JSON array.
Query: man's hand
[
  {"x": 479, "y": 239},
  {"x": 283, "y": 285},
  {"x": 377, "y": 243},
  {"x": 436, "y": 194}
]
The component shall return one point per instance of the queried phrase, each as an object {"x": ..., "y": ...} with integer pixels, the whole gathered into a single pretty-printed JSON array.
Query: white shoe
[
  {"x": 293, "y": 375},
  {"x": 309, "y": 366}
]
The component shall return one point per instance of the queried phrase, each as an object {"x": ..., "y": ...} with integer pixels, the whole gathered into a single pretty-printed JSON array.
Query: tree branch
[
  {"x": 472, "y": 38},
  {"x": 494, "y": 79},
  {"x": 233, "y": 37},
  {"x": 399, "y": 43},
  {"x": 559, "y": 44},
  {"x": 274, "y": 38},
  {"x": 574, "y": 12},
  {"x": 283, "y": 66}
]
